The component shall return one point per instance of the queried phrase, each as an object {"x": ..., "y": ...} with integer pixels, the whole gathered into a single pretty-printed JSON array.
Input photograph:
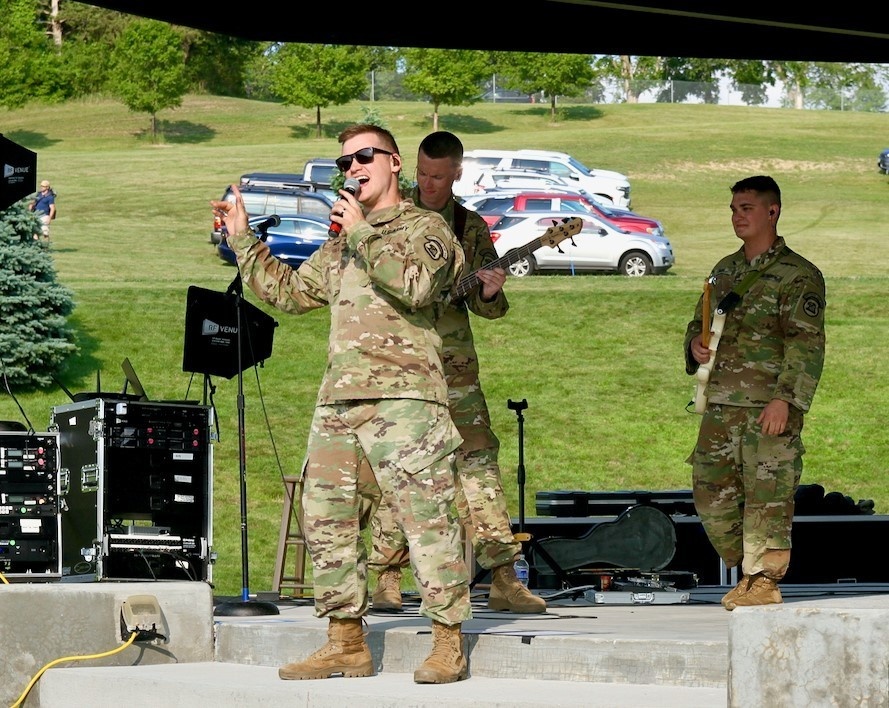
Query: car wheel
[
  {"x": 635, "y": 264},
  {"x": 524, "y": 266}
]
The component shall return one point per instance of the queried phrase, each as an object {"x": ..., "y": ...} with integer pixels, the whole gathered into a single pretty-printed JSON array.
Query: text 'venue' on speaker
[{"x": 212, "y": 333}]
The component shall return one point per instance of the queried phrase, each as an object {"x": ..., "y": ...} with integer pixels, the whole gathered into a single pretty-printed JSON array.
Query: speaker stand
[{"x": 246, "y": 607}]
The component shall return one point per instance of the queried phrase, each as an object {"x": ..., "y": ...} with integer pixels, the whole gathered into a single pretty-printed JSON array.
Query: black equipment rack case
[
  {"x": 136, "y": 490},
  {"x": 29, "y": 506}
]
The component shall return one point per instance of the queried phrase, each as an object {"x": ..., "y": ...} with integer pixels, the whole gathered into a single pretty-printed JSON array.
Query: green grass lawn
[{"x": 598, "y": 357}]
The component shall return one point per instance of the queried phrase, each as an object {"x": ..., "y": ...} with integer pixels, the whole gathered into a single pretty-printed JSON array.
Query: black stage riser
[{"x": 826, "y": 549}]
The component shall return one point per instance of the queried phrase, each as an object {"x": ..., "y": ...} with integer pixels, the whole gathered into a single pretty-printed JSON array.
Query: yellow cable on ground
[
  {"x": 70, "y": 658},
  {"x": 3, "y": 578}
]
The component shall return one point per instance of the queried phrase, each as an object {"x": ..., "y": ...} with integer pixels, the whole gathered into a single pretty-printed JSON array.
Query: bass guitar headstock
[{"x": 560, "y": 230}]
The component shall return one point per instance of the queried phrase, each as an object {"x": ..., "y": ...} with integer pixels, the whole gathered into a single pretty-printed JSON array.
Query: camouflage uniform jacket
[
  {"x": 459, "y": 356},
  {"x": 382, "y": 281},
  {"x": 772, "y": 343}
]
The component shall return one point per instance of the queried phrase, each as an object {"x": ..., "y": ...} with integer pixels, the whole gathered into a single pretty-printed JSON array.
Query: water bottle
[{"x": 522, "y": 569}]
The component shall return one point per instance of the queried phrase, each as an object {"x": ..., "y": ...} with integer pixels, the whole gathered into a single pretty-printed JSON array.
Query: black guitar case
[{"x": 642, "y": 537}]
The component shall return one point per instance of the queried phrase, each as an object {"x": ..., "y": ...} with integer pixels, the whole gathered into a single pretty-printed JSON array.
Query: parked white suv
[{"x": 606, "y": 185}]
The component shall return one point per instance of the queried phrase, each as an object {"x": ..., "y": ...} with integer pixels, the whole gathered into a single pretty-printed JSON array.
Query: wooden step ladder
[{"x": 292, "y": 552}]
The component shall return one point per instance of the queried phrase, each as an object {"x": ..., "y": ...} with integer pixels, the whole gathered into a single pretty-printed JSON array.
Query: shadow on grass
[
  {"x": 462, "y": 123},
  {"x": 473, "y": 125},
  {"x": 180, "y": 132},
  {"x": 577, "y": 113},
  {"x": 31, "y": 140},
  {"x": 331, "y": 130},
  {"x": 83, "y": 366}
]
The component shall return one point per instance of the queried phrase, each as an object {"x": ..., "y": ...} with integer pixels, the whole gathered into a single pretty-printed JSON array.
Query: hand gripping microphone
[{"x": 353, "y": 187}]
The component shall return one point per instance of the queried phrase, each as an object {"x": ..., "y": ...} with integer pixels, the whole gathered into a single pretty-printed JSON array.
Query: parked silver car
[
  {"x": 266, "y": 193},
  {"x": 599, "y": 246}
]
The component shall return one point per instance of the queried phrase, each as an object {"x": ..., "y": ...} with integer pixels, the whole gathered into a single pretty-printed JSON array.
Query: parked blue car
[
  {"x": 883, "y": 162},
  {"x": 296, "y": 238}
]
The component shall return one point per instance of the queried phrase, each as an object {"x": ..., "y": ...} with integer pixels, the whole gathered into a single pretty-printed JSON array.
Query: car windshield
[
  {"x": 575, "y": 205},
  {"x": 579, "y": 165},
  {"x": 324, "y": 174},
  {"x": 605, "y": 209},
  {"x": 508, "y": 222},
  {"x": 490, "y": 206}
]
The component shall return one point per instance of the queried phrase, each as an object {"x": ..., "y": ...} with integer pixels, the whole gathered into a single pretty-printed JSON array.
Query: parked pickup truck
[
  {"x": 290, "y": 180},
  {"x": 320, "y": 170},
  {"x": 608, "y": 187}
]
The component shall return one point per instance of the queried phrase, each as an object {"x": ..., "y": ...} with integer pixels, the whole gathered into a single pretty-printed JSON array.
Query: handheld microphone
[
  {"x": 260, "y": 228},
  {"x": 353, "y": 187}
]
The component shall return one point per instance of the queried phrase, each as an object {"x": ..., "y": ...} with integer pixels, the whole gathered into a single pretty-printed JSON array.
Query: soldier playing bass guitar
[{"x": 747, "y": 461}]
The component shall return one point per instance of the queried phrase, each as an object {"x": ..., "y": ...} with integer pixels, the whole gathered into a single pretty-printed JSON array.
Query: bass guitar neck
[
  {"x": 554, "y": 235},
  {"x": 703, "y": 373}
]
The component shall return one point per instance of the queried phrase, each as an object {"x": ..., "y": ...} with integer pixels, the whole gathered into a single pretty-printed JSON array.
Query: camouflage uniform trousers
[
  {"x": 480, "y": 501},
  {"x": 407, "y": 444},
  {"x": 481, "y": 506},
  {"x": 744, "y": 485}
]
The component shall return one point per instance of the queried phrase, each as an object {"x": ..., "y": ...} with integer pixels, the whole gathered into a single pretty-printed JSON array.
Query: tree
[
  {"x": 630, "y": 71},
  {"x": 751, "y": 77},
  {"x": 317, "y": 75},
  {"x": 89, "y": 36},
  {"x": 148, "y": 69},
  {"x": 553, "y": 74},
  {"x": 844, "y": 87},
  {"x": 449, "y": 77},
  {"x": 689, "y": 76},
  {"x": 35, "y": 339},
  {"x": 217, "y": 64},
  {"x": 50, "y": 10},
  {"x": 30, "y": 67},
  {"x": 379, "y": 59},
  {"x": 214, "y": 63}
]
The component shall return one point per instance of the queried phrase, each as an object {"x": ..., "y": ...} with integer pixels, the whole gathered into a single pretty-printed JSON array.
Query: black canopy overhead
[{"x": 783, "y": 31}]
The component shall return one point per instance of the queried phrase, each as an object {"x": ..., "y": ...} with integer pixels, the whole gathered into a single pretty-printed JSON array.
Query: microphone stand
[
  {"x": 523, "y": 537},
  {"x": 246, "y": 607}
]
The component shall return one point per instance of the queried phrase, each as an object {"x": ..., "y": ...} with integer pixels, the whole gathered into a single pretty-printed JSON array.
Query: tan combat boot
[
  {"x": 387, "y": 594},
  {"x": 729, "y": 597},
  {"x": 446, "y": 663},
  {"x": 759, "y": 590},
  {"x": 507, "y": 593},
  {"x": 345, "y": 653}
]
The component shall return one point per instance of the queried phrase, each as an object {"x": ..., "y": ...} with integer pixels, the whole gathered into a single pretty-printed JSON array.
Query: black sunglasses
[{"x": 364, "y": 156}]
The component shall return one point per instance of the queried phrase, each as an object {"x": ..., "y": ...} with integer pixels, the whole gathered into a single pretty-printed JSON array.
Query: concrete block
[
  {"x": 45, "y": 622},
  {"x": 401, "y": 646},
  {"x": 218, "y": 684},
  {"x": 811, "y": 654}
]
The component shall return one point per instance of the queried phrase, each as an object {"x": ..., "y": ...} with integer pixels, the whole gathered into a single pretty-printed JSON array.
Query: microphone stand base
[{"x": 245, "y": 608}]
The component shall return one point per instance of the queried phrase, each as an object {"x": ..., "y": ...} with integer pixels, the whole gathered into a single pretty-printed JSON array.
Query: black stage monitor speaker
[
  {"x": 19, "y": 178},
  {"x": 211, "y": 333}
]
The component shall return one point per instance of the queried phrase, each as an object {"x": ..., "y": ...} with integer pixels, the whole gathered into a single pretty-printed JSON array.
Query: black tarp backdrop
[
  {"x": 670, "y": 28},
  {"x": 19, "y": 167}
]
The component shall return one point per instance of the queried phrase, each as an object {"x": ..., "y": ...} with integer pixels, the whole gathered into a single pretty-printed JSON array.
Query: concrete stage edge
[{"x": 827, "y": 645}]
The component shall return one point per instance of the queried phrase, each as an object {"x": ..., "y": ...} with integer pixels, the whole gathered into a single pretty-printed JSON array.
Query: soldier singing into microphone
[{"x": 385, "y": 275}]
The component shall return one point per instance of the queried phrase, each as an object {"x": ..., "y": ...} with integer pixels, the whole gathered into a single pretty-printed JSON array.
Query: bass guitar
[
  {"x": 552, "y": 237},
  {"x": 710, "y": 334}
]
